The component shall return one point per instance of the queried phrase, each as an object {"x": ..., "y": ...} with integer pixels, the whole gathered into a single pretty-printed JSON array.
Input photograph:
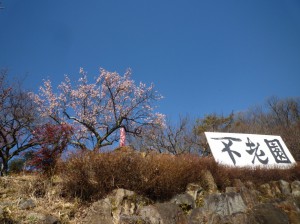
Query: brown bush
[
  {"x": 225, "y": 175},
  {"x": 92, "y": 175}
]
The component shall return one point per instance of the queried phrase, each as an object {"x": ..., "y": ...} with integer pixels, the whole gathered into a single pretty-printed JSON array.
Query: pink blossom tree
[{"x": 98, "y": 110}]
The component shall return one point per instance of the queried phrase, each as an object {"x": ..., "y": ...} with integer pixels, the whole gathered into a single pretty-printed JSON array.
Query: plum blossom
[{"x": 100, "y": 109}]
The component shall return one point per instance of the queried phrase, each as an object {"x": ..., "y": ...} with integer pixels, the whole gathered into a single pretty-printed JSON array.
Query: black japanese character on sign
[
  {"x": 254, "y": 149},
  {"x": 227, "y": 147},
  {"x": 277, "y": 151}
]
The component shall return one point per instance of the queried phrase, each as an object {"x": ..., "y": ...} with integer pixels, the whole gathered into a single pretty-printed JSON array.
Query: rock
[
  {"x": 269, "y": 214},
  {"x": 34, "y": 217},
  {"x": 125, "y": 202},
  {"x": 27, "y": 204},
  {"x": 295, "y": 188},
  {"x": 240, "y": 218},
  {"x": 290, "y": 207},
  {"x": 120, "y": 204},
  {"x": 294, "y": 217},
  {"x": 275, "y": 188},
  {"x": 199, "y": 216},
  {"x": 171, "y": 213},
  {"x": 285, "y": 187},
  {"x": 209, "y": 182},
  {"x": 225, "y": 204},
  {"x": 197, "y": 192},
  {"x": 132, "y": 219},
  {"x": 266, "y": 191},
  {"x": 163, "y": 213},
  {"x": 194, "y": 189},
  {"x": 6, "y": 203},
  {"x": 99, "y": 212},
  {"x": 150, "y": 214},
  {"x": 185, "y": 201},
  {"x": 220, "y": 207},
  {"x": 249, "y": 196},
  {"x": 50, "y": 219}
]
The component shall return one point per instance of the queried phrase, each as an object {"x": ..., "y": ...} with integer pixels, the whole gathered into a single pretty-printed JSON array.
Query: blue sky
[{"x": 203, "y": 56}]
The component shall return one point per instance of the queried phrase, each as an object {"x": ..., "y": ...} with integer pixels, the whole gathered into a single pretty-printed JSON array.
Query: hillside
[{"x": 217, "y": 195}]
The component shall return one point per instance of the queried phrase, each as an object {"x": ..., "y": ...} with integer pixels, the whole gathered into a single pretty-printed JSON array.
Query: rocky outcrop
[
  {"x": 120, "y": 205},
  {"x": 274, "y": 202}
]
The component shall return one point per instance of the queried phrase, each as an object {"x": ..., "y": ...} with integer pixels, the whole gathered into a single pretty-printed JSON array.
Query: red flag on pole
[{"x": 122, "y": 136}]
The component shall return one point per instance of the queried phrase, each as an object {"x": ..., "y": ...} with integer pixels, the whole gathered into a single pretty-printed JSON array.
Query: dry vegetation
[
  {"x": 90, "y": 176},
  {"x": 157, "y": 176},
  {"x": 45, "y": 194}
]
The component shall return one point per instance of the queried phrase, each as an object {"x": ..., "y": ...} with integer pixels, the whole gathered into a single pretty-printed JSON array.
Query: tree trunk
[{"x": 4, "y": 167}]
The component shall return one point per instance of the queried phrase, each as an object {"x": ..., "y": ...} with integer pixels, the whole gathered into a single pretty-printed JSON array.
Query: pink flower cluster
[{"x": 100, "y": 108}]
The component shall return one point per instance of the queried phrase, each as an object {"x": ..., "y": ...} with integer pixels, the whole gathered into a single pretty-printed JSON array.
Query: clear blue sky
[{"x": 203, "y": 56}]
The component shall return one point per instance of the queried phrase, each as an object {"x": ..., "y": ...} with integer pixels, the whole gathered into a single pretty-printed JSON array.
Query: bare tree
[
  {"x": 173, "y": 138},
  {"x": 276, "y": 117},
  {"x": 4, "y": 89},
  {"x": 284, "y": 112},
  {"x": 17, "y": 116}
]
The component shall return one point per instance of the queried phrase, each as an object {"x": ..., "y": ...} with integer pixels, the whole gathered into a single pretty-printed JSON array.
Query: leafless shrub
[{"x": 157, "y": 176}]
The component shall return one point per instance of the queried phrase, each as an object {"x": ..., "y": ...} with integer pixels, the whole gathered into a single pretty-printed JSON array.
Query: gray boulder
[
  {"x": 225, "y": 204},
  {"x": 27, "y": 204},
  {"x": 125, "y": 203},
  {"x": 285, "y": 187},
  {"x": 185, "y": 201},
  {"x": 296, "y": 188},
  {"x": 119, "y": 206},
  {"x": 163, "y": 213},
  {"x": 269, "y": 214},
  {"x": 227, "y": 207},
  {"x": 100, "y": 213},
  {"x": 249, "y": 196}
]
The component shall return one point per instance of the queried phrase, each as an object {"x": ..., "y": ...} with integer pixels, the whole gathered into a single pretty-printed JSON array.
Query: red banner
[{"x": 122, "y": 137}]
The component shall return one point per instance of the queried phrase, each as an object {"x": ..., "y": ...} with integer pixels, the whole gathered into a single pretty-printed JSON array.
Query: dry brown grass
[
  {"x": 224, "y": 176},
  {"x": 44, "y": 192},
  {"x": 92, "y": 175}
]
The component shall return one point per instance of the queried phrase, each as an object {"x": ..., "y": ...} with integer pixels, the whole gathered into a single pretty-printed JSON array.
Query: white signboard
[{"x": 249, "y": 150}]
